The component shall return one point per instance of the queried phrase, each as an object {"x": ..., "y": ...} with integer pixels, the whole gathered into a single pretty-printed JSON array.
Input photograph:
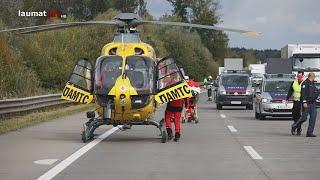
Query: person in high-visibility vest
[
  {"x": 309, "y": 96},
  {"x": 205, "y": 83},
  {"x": 295, "y": 93},
  {"x": 209, "y": 85}
]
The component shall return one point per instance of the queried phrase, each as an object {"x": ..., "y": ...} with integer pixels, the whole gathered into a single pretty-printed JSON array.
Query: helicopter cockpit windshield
[
  {"x": 139, "y": 70},
  {"x": 108, "y": 69}
]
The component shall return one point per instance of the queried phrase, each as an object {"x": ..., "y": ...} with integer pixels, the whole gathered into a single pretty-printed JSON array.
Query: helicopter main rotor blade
[
  {"x": 245, "y": 32},
  {"x": 48, "y": 27}
]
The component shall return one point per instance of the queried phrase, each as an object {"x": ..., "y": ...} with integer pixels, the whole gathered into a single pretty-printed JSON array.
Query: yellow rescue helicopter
[{"x": 127, "y": 82}]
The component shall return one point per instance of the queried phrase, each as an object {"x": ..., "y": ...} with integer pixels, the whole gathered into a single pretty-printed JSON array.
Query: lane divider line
[
  {"x": 232, "y": 129},
  {"x": 73, "y": 157},
  {"x": 253, "y": 153},
  {"x": 223, "y": 116}
]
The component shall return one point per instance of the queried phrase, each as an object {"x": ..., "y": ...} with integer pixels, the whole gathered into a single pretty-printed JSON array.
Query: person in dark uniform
[
  {"x": 295, "y": 92},
  {"x": 309, "y": 94}
]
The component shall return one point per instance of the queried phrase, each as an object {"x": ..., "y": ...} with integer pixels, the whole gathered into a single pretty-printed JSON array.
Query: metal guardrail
[{"x": 10, "y": 106}]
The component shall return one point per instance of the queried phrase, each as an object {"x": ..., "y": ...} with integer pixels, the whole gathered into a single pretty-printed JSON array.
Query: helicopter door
[
  {"x": 170, "y": 82},
  {"x": 79, "y": 88}
]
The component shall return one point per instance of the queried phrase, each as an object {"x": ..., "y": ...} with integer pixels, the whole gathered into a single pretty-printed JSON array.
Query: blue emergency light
[{"x": 236, "y": 71}]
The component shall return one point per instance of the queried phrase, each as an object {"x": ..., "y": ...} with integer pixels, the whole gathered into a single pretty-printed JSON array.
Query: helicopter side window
[
  {"x": 81, "y": 75},
  {"x": 169, "y": 74},
  {"x": 139, "y": 70},
  {"x": 108, "y": 69}
]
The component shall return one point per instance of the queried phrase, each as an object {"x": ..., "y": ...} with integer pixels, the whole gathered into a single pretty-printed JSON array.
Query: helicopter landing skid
[
  {"x": 90, "y": 126},
  {"x": 163, "y": 131}
]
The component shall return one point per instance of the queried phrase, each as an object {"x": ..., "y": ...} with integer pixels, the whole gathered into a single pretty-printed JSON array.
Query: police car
[
  {"x": 270, "y": 99},
  {"x": 234, "y": 89}
]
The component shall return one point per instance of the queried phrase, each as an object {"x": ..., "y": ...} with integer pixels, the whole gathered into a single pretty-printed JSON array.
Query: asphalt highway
[{"x": 226, "y": 144}]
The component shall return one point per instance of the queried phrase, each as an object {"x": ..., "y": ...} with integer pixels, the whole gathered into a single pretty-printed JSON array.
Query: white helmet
[
  {"x": 209, "y": 77},
  {"x": 186, "y": 77}
]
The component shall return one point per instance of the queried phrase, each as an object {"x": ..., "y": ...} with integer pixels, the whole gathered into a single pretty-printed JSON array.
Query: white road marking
[
  {"x": 232, "y": 129},
  {"x": 45, "y": 161},
  {"x": 223, "y": 116},
  {"x": 252, "y": 152},
  {"x": 73, "y": 157}
]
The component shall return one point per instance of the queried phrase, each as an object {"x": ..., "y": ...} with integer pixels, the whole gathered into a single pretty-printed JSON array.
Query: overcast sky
[{"x": 280, "y": 21}]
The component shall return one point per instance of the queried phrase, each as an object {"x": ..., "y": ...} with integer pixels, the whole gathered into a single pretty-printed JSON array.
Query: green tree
[
  {"x": 259, "y": 55},
  {"x": 186, "y": 47},
  {"x": 205, "y": 12},
  {"x": 180, "y": 8},
  {"x": 127, "y": 6},
  {"x": 142, "y": 9}
]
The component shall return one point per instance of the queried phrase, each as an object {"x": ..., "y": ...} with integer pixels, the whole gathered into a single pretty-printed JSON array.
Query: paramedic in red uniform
[
  {"x": 193, "y": 85},
  {"x": 173, "y": 110}
]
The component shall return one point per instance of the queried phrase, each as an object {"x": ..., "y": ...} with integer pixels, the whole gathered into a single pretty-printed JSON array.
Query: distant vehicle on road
[
  {"x": 257, "y": 72},
  {"x": 233, "y": 64},
  {"x": 270, "y": 98},
  {"x": 234, "y": 88},
  {"x": 221, "y": 69},
  {"x": 306, "y": 57}
]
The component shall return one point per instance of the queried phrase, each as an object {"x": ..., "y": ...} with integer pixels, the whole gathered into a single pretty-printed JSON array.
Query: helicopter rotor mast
[{"x": 126, "y": 23}]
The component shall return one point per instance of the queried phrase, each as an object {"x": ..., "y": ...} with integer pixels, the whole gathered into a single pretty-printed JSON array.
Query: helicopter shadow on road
[
  {"x": 146, "y": 134},
  {"x": 129, "y": 138},
  {"x": 117, "y": 137}
]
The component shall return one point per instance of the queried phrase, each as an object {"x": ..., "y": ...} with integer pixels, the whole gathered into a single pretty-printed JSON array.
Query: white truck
[
  {"x": 233, "y": 64},
  {"x": 257, "y": 68},
  {"x": 257, "y": 71},
  {"x": 306, "y": 57},
  {"x": 221, "y": 70}
]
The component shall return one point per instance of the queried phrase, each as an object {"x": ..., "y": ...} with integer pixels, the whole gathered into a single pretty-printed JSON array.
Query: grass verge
[{"x": 18, "y": 122}]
